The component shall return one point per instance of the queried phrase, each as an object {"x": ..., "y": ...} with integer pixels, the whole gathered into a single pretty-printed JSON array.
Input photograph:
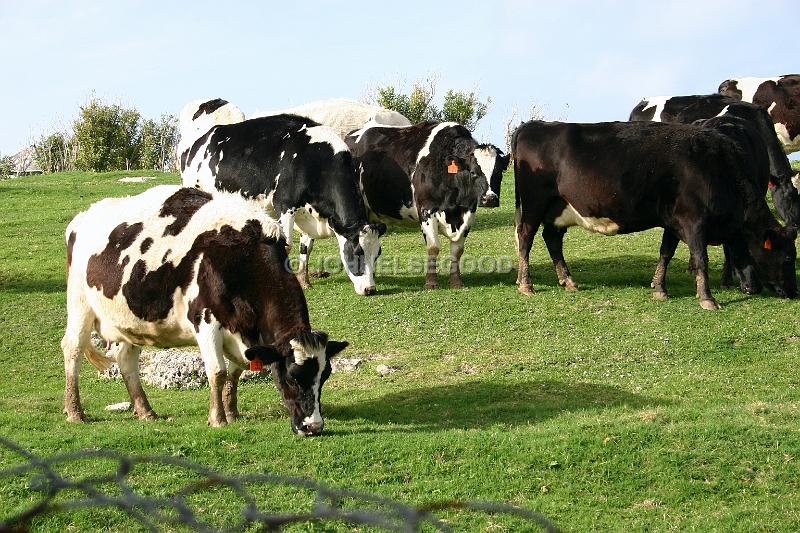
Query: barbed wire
[{"x": 156, "y": 513}]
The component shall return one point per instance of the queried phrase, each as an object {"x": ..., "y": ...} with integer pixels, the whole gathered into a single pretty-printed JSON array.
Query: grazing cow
[
  {"x": 780, "y": 96},
  {"x": 176, "y": 266},
  {"x": 783, "y": 182},
  {"x": 304, "y": 173},
  {"x": 344, "y": 116},
  {"x": 623, "y": 177},
  {"x": 425, "y": 174},
  {"x": 493, "y": 163}
]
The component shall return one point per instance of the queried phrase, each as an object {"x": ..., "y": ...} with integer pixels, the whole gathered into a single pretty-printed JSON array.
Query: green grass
[{"x": 603, "y": 409}]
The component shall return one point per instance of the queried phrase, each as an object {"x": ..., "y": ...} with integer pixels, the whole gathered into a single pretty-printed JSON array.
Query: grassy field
[{"x": 602, "y": 409}]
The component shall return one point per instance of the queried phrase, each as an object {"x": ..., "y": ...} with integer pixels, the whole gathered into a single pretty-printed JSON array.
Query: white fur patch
[
  {"x": 571, "y": 217},
  {"x": 657, "y": 102},
  {"x": 487, "y": 158},
  {"x": 324, "y": 134},
  {"x": 749, "y": 86},
  {"x": 724, "y": 110}
]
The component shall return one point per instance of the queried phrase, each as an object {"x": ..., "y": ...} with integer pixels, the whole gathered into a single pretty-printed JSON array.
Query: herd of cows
[{"x": 206, "y": 263}]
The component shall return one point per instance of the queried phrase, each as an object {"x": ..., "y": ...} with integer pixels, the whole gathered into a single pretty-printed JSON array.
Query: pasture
[{"x": 602, "y": 409}]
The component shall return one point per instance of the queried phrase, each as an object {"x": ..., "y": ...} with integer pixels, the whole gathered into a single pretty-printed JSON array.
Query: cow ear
[
  {"x": 504, "y": 161},
  {"x": 266, "y": 354},
  {"x": 334, "y": 347}
]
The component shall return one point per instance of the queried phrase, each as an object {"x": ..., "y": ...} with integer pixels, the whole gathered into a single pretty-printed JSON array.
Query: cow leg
[
  {"x": 306, "y": 244},
  {"x": 430, "y": 231},
  {"x": 456, "y": 251},
  {"x": 229, "y": 393},
  {"x": 80, "y": 321},
  {"x": 128, "y": 360},
  {"x": 554, "y": 239},
  {"x": 209, "y": 339},
  {"x": 669, "y": 243},
  {"x": 526, "y": 230},
  {"x": 698, "y": 264},
  {"x": 727, "y": 268},
  {"x": 286, "y": 222}
]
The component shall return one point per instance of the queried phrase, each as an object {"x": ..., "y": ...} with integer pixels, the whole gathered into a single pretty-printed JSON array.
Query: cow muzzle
[
  {"x": 309, "y": 430},
  {"x": 490, "y": 199}
]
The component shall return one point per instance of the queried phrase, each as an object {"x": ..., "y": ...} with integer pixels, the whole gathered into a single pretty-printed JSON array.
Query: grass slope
[{"x": 603, "y": 409}]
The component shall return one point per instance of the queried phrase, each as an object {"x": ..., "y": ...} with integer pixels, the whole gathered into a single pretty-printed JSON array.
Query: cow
[
  {"x": 493, "y": 163},
  {"x": 783, "y": 181},
  {"x": 780, "y": 96},
  {"x": 346, "y": 116},
  {"x": 623, "y": 177},
  {"x": 427, "y": 175},
  {"x": 177, "y": 266},
  {"x": 300, "y": 171},
  {"x": 343, "y": 115}
]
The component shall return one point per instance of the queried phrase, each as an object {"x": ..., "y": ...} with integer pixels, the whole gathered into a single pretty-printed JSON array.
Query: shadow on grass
[
  {"x": 27, "y": 285},
  {"x": 479, "y": 404}
]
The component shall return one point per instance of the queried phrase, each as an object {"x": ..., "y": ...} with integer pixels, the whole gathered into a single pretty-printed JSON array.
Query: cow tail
[{"x": 98, "y": 360}]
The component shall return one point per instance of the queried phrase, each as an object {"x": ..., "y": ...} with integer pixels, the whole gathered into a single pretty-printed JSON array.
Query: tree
[
  {"x": 464, "y": 108},
  {"x": 7, "y": 166},
  {"x": 158, "y": 141},
  {"x": 417, "y": 106},
  {"x": 55, "y": 152},
  {"x": 107, "y": 137}
]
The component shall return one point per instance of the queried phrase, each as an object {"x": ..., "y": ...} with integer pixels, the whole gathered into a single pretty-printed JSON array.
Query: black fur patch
[
  {"x": 146, "y": 244},
  {"x": 209, "y": 107},
  {"x": 182, "y": 205},
  {"x": 103, "y": 271}
]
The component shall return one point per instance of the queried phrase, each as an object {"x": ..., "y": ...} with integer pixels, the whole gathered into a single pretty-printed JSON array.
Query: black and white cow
[
  {"x": 493, "y": 163},
  {"x": 780, "y": 96},
  {"x": 425, "y": 174},
  {"x": 346, "y": 116},
  {"x": 300, "y": 170},
  {"x": 623, "y": 177},
  {"x": 782, "y": 179},
  {"x": 177, "y": 266}
]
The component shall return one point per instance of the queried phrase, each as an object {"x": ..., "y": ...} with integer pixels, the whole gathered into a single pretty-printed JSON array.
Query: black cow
[
  {"x": 780, "y": 96},
  {"x": 493, "y": 163},
  {"x": 302, "y": 171},
  {"x": 177, "y": 266},
  {"x": 425, "y": 174},
  {"x": 623, "y": 177},
  {"x": 688, "y": 109}
]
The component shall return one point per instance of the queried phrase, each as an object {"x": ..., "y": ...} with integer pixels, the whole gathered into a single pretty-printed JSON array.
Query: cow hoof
[
  {"x": 709, "y": 305},
  {"x": 76, "y": 417},
  {"x": 660, "y": 295},
  {"x": 430, "y": 285},
  {"x": 230, "y": 416},
  {"x": 571, "y": 286},
  {"x": 217, "y": 423},
  {"x": 525, "y": 289},
  {"x": 304, "y": 284},
  {"x": 456, "y": 284},
  {"x": 320, "y": 274},
  {"x": 149, "y": 416}
]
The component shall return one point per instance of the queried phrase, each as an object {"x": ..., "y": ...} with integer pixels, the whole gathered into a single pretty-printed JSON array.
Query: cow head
[
  {"x": 492, "y": 162},
  {"x": 359, "y": 249},
  {"x": 199, "y": 116},
  {"x": 786, "y": 197},
  {"x": 299, "y": 370},
  {"x": 774, "y": 254}
]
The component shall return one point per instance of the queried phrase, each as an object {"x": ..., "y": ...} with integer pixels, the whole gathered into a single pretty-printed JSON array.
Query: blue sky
[{"x": 578, "y": 61}]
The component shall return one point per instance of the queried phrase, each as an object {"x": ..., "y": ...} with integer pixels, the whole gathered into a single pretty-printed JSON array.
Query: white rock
[{"x": 121, "y": 406}]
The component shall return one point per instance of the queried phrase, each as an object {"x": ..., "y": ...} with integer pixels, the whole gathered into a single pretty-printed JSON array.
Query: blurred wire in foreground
[{"x": 157, "y": 513}]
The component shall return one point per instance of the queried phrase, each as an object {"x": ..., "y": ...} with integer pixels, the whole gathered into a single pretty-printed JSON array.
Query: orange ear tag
[
  {"x": 768, "y": 244},
  {"x": 452, "y": 168},
  {"x": 256, "y": 365},
  {"x": 771, "y": 185}
]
